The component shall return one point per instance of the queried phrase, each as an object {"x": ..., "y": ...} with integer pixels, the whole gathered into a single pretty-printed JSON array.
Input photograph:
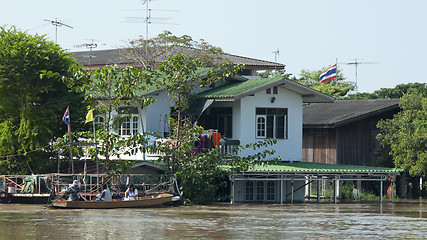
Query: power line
[{"x": 23, "y": 154}]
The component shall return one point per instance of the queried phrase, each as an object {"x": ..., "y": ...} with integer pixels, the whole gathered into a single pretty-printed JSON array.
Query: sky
[{"x": 387, "y": 37}]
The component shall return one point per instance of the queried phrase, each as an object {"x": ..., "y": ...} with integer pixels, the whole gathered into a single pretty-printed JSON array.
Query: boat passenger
[
  {"x": 73, "y": 191},
  {"x": 131, "y": 193},
  {"x": 105, "y": 194}
]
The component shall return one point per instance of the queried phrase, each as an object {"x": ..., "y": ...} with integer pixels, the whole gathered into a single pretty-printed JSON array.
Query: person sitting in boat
[
  {"x": 105, "y": 194},
  {"x": 131, "y": 193},
  {"x": 73, "y": 191}
]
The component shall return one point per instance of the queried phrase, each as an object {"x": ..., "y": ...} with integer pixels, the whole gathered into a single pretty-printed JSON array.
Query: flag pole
[
  {"x": 71, "y": 141},
  {"x": 96, "y": 152},
  {"x": 336, "y": 64},
  {"x": 85, "y": 176}
]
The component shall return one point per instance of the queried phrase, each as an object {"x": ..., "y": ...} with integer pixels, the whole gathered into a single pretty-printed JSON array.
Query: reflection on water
[{"x": 219, "y": 221}]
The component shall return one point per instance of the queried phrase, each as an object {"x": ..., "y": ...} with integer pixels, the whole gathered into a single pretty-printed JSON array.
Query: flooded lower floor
[{"x": 404, "y": 220}]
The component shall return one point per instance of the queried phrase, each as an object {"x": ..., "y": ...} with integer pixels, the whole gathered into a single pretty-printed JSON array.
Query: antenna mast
[
  {"x": 90, "y": 46},
  {"x": 147, "y": 18},
  {"x": 356, "y": 63},
  {"x": 57, "y": 24},
  {"x": 276, "y": 54}
]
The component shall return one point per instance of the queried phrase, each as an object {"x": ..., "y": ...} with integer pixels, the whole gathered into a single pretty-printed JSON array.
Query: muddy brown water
[{"x": 404, "y": 220}]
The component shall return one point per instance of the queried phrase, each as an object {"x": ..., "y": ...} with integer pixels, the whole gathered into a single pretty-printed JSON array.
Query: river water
[{"x": 220, "y": 221}]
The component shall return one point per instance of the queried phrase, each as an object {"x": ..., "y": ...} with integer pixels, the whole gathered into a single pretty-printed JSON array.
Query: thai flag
[
  {"x": 329, "y": 74},
  {"x": 66, "y": 117}
]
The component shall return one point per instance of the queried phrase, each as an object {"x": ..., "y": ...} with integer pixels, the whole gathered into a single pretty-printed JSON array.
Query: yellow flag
[{"x": 89, "y": 116}]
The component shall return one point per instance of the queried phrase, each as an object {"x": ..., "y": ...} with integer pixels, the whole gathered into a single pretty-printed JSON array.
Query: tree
[
  {"x": 200, "y": 175},
  {"x": 109, "y": 89},
  {"x": 152, "y": 52},
  {"x": 180, "y": 78},
  {"x": 391, "y": 93},
  {"x": 32, "y": 99},
  {"x": 336, "y": 88},
  {"x": 406, "y": 134},
  {"x": 117, "y": 87}
]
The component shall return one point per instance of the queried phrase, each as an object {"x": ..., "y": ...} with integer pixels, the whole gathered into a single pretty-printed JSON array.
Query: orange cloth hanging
[{"x": 216, "y": 136}]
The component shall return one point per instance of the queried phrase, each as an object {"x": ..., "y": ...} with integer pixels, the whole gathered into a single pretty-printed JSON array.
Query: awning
[{"x": 198, "y": 107}]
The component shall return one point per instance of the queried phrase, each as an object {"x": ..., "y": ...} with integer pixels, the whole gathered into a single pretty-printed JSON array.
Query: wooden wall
[
  {"x": 319, "y": 145},
  {"x": 354, "y": 144},
  {"x": 351, "y": 144}
]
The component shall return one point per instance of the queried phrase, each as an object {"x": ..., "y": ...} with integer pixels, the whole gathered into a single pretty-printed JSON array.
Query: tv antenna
[
  {"x": 148, "y": 19},
  {"x": 57, "y": 24},
  {"x": 89, "y": 46},
  {"x": 276, "y": 54},
  {"x": 356, "y": 63}
]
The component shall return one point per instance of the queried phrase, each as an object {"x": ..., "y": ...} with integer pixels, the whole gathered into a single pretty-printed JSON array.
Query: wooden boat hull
[{"x": 159, "y": 200}]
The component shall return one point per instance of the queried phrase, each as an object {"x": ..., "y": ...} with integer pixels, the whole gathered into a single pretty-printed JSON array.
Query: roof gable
[
  {"x": 238, "y": 90},
  {"x": 329, "y": 115}
]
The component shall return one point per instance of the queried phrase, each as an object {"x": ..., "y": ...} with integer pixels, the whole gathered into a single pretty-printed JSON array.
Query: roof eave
[
  {"x": 309, "y": 95},
  {"x": 353, "y": 119}
]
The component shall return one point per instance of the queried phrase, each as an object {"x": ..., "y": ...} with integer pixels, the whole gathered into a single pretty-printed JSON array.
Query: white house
[
  {"x": 255, "y": 109},
  {"x": 245, "y": 109}
]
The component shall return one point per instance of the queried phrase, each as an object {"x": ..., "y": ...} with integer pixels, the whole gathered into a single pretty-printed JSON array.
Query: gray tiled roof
[
  {"x": 343, "y": 112},
  {"x": 119, "y": 57},
  {"x": 103, "y": 57}
]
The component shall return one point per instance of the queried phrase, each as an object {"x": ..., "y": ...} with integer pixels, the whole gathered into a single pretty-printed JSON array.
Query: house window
[
  {"x": 99, "y": 120},
  {"x": 275, "y": 90},
  {"x": 249, "y": 196},
  {"x": 260, "y": 191},
  {"x": 272, "y": 123},
  {"x": 129, "y": 125},
  {"x": 261, "y": 124},
  {"x": 270, "y": 191}
]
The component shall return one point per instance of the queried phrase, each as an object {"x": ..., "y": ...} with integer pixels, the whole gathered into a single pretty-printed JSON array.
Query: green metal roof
[
  {"x": 309, "y": 167},
  {"x": 241, "y": 89}
]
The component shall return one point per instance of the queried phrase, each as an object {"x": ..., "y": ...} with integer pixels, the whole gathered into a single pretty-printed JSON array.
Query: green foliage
[
  {"x": 274, "y": 73},
  {"x": 406, "y": 134},
  {"x": 392, "y": 93},
  {"x": 351, "y": 193},
  {"x": 202, "y": 175},
  {"x": 113, "y": 87},
  {"x": 199, "y": 175},
  {"x": 336, "y": 88},
  {"x": 239, "y": 163},
  {"x": 347, "y": 190},
  {"x": 32, "y": 99}
]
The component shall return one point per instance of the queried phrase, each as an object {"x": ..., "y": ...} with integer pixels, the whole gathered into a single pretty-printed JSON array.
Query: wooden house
[{"x": 344, "y": 132}]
